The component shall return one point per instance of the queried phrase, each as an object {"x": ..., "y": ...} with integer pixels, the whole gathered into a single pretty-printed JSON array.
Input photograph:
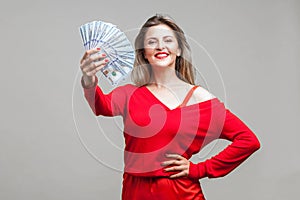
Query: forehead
[{"x": 160, "y": 30}]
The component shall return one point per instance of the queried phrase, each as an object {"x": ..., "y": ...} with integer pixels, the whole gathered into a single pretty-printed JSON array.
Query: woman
[{"x": 167, "y": 118}]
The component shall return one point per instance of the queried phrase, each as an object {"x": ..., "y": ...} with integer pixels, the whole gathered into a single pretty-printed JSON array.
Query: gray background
[{"x": 255, "y": 45}]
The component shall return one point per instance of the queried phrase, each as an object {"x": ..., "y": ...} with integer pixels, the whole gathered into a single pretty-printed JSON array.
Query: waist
[
  {"x": 147, "y": 164},
  {"x": 159, "y": 173}
]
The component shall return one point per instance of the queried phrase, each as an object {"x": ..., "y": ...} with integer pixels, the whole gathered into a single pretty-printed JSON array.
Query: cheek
[
  {"x": 148, "y": 51},
  {"x": 174, "y": 48}
]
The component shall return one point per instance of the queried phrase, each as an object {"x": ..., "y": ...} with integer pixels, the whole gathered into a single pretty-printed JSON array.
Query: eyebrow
[{"x": 149, "y": 38}]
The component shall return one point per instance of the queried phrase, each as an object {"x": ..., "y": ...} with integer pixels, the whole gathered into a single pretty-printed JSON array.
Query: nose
[{"x": 160, "y": 44}]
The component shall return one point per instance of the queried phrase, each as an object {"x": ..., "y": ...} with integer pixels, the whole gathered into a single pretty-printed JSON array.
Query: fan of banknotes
[{"x": 114, "y": 43}]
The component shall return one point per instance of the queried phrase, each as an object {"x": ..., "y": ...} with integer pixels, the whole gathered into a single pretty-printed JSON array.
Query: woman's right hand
[{"x": 90, "y": 64}]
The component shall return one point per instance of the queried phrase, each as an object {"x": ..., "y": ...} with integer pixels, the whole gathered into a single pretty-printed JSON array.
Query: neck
[{"x": 164, "y": 77}]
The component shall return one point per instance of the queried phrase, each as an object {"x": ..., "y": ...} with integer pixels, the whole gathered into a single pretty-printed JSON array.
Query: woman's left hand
[{"x": 182, "y": 165}]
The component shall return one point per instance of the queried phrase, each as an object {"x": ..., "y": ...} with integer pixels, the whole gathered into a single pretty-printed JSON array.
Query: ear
[
  {"x": 145, "y": 56},
  {"x": 142, "y": 51},
  {"x": 178, "y": 52}
]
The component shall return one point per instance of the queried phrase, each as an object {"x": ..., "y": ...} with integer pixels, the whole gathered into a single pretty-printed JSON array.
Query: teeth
[{"x": 162, "y": 55}]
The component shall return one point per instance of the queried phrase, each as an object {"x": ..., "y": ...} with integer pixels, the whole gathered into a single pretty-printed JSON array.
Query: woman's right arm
[{"x": 101, "y": 104}]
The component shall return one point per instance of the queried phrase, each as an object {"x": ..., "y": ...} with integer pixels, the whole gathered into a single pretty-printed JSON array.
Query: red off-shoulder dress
[{"x": 151, "y": 130}]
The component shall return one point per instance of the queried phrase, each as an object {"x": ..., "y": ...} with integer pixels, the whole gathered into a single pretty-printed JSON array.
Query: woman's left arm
[{"x": 244, "y": 143}]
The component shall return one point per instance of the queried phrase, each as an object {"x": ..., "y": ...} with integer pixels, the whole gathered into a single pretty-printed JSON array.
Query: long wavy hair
[{"x": 142, "y": 71}]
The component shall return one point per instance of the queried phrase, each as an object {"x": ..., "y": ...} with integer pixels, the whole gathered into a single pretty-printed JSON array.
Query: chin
[{"x": 162, "y": 63}]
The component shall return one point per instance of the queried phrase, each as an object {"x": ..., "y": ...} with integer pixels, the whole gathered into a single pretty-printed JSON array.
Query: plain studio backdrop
[{"x": 53, "y": 148}]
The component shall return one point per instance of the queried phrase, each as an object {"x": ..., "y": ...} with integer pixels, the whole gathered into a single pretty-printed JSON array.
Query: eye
[
  {"x": 150, "y": 42},
  {"x": 168, "y": 40}
]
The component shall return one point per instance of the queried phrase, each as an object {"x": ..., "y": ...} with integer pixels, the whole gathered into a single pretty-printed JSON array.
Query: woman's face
[{"x": 161, "y": 46}]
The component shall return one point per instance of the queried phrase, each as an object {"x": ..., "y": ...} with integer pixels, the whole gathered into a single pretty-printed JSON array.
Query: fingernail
[
  {"x": 103, "y": 54},
  {"x": 106, "y": 60},
  {"x": 98, "y": 48}
]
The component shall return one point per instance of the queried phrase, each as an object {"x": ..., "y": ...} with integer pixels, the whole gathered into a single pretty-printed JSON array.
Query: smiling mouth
[{"x": 161, "y": 55}]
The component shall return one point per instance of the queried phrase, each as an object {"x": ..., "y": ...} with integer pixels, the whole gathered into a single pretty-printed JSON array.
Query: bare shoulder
[{"x": 202, "y": 94}]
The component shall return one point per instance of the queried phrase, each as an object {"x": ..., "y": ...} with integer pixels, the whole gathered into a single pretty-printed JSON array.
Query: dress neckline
[{"x": 202, "y": 103}]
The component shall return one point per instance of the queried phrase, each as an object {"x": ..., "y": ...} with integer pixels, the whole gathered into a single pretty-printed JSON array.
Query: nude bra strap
[{"x": 188, "y": 96}]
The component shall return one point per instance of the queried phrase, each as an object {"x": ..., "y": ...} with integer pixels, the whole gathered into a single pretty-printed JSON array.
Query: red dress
[{"x": 151, "y": 130}]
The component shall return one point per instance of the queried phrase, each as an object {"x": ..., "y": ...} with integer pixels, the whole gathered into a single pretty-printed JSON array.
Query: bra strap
[{"x": 188, "y": 96}]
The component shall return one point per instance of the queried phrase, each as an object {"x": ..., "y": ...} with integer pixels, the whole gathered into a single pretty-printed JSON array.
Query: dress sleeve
[
  {"x": 111, "y": 104},
  {"x": 244, "y": 143}
]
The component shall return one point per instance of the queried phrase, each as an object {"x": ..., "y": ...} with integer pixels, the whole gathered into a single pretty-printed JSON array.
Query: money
[{"x": 114, "y": 43}]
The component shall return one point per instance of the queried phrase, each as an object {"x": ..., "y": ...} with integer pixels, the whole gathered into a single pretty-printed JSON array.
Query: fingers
[
  {"x": 176, "y": 168},
  {"x": 89, "y": 53},
  {"x": 92, "y": 62},
  {"x": 94, "y": 67},
  {"x": 180, "y": 174},
  {"x": 91, "y": 56},
  {"x": 175, "y": 156},
  {"x": 179, "y": 163},
  {"x": 172, "y": 162}
]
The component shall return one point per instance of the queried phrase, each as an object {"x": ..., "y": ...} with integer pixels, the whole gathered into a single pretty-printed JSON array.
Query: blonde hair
[{"x": 142, "y": 71}]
